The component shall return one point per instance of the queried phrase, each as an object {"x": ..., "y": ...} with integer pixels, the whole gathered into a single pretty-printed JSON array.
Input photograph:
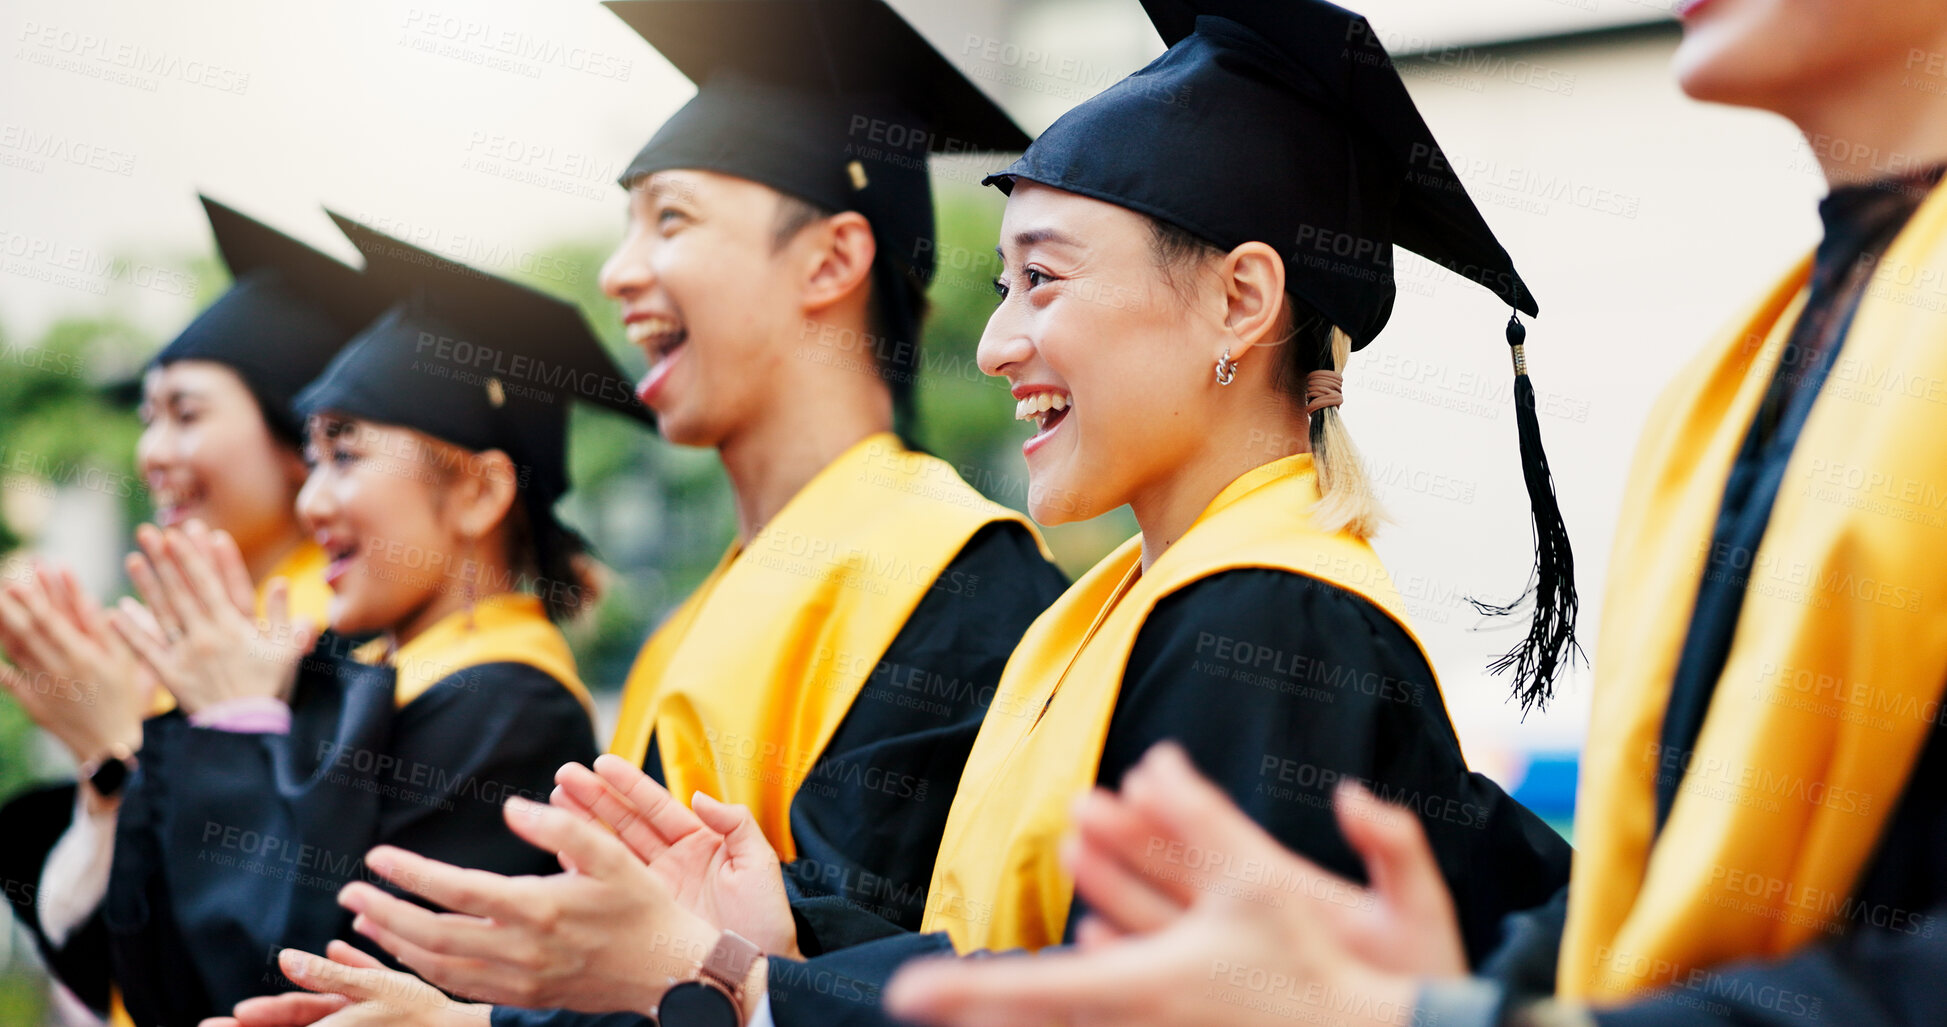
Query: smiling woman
[
  {"x": 219, "y": 444},
  {"x": 435, "y": 469}
]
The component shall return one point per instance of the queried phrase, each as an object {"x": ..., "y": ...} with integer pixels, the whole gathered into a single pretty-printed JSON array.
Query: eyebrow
[{"x": 1035, "y": 237}]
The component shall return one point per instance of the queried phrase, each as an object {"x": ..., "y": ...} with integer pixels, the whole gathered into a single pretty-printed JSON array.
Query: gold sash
[
  {"x": 747, "y": 681},
  {"x": 998, "y": 883},
  {"x": 1834, "y": 676}
]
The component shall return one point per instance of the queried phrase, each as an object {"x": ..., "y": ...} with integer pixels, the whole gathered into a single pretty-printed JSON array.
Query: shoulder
[{"x": 1265, "y": 603}]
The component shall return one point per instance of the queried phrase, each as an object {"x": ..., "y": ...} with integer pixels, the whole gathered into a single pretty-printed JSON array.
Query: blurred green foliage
[{"x": 658, "y": 515}]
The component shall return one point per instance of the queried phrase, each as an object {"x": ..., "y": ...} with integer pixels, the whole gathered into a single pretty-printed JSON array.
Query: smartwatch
[
  {"x": 108, "y": 774},
  {"x": 715, "y": 999}
]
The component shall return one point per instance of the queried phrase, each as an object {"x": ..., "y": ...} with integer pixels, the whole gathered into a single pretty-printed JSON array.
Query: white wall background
[{"x": 487, "y": 127}]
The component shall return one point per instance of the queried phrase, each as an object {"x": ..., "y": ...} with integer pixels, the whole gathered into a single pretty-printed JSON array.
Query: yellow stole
[
  {"x": 1834, "y": 676},
  {"x": 746, "y": 682},
  {"x": 998, "y": 883},
  {"x": 508, "y": 628}
]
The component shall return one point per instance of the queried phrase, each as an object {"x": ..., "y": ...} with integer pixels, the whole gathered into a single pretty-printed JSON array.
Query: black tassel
[{"x": 1551, "y": 635}]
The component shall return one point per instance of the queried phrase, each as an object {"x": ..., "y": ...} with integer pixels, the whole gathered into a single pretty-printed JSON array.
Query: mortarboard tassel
[{"x": 1551, "y": 635}]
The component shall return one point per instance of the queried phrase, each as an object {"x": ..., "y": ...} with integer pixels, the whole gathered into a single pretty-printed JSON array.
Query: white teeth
[
  {"x": 647, "y": 330},
  {"x": 1032, "y": 406}
]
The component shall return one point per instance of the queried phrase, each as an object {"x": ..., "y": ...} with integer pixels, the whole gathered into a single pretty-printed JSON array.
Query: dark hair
[
  {"x": 566, "y": 575},
  {"x": 1312, "y": 343},
  {"x": 794, "y": 215}
]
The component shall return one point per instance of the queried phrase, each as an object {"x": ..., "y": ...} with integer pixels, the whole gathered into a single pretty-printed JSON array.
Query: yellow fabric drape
[
  {"x": 998, "y": 883},
  {"x": 506, "y": 628},
  {"x": 746, "y": 682},
  {"x": 1835, "y": 673}
]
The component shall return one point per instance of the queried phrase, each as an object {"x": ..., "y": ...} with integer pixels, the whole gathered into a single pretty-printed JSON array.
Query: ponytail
[{"x": 1347, "y": 501}]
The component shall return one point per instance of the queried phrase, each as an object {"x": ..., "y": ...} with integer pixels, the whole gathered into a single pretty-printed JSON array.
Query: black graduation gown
[
  {"x": 1278, "y": 752},
  {"x": 32, "y": 823},
  {"x": 231, "y": 846},
  {"x": 868, "y": 819}
]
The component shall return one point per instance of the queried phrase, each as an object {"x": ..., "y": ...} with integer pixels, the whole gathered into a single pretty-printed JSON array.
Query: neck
[
  {"x": 261, "y": 560},
  {"x": 1258, "y": 434},
  {"x": 1873, "y": 125},
  {"x": 818, "y": 414},
  {"x": 452, "y": 596}
]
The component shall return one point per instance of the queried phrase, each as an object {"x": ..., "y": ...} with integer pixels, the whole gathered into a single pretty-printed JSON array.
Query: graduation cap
[
  {"x": 1285, "y": 122},
  {"x": 289, "y": 311},
  {"x": 474, "y": 360},
  {"x": 836, "y": 102}
]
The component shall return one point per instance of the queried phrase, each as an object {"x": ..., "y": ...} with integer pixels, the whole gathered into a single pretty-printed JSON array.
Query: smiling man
[{"x": 832, "y": 671}]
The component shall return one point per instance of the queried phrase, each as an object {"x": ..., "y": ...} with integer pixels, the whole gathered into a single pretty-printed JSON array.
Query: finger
[
  {"x": 351, "y": 955},
  {"x": 1112, "y": 829},
  {"x": 219, "y": 1021},
  {"x": 1094, "y": 932},
  {"x": 149, "y": 649},
  {"x": 743, "y": 839},
  {"x": 665, "y": 814},
  {"x": 1022, "y": 989},
  {"x": 27, "y": 644},
  {"x": 1168, "y": 791},
  {"x": 592, "y": 850},
  {"x": 291, "y": 1009},
  {"x": 142, "y": 574},
  {"x": 189, "y": 549},
  {"x": 88, "y": 614},
  {"x": 235, "y": 573},
  {"x": 52, "y": 624},
  {"x": 612, "y": 810},
  {"x": 460, "y": 975},
  {"x": 453, "y": 934},
  {"x": 316, "y": 973},
  {"x": 62, "y": 591},
  {"x": 480, "y": 893},
  {"x": 1120, "y": 896},
  {"x": 296, "y": 637}
]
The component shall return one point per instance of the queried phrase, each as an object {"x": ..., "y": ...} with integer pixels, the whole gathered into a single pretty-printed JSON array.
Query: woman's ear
[
  {"x": 1253, "y": 277},
  {"x": 844, "y": 254},
  {"x": 485, "y": 492}
]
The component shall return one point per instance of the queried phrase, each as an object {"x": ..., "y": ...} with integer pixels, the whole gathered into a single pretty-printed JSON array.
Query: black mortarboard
[
  {"x": 474, "y": 360},
  {"x": 836, "y": 102},
  {"x": 289, "y": 311},
  {"x": 1285, "y": 122}
]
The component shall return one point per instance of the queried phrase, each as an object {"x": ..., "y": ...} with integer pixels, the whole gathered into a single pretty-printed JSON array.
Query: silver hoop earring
[{"x": 1226, "y": 369}]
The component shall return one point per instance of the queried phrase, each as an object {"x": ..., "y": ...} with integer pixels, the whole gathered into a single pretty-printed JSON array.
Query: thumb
[
  {"x": 742, "y": 838},
  {"x": 1399, "y": 862},
  {"x": 1413, "y": 901}
]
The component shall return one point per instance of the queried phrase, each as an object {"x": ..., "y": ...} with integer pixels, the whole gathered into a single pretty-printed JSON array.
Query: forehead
[
  {"x": 205, "y": 379},
  {"x": 1043, "y": 217},
  {"x": 695, "y": 185}
]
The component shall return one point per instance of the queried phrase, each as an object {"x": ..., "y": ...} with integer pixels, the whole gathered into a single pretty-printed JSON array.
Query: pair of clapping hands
[
  {"x": 88, "y": 675},
  {"x": 1177, "y": 935}
]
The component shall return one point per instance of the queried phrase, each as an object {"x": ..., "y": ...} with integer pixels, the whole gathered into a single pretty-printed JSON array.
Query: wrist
[{"x": 756, "y": 983}]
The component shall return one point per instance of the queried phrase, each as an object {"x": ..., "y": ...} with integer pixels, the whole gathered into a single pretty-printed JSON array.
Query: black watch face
[
  {"x": 109, "y": 778},
  {"x": 695, "y": 1004}
]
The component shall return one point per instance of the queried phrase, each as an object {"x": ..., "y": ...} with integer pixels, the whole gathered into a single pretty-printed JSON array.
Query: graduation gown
[
  {"x": 1764, "y": 804},
  {"x": 866, "y": 821},
  {"x": 34, "y": 821},
  {"x": 1279, "y": 683},
  {"x": 231, "y": 846}
]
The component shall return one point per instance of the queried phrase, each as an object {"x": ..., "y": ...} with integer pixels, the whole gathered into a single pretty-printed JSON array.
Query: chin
[{"x": 1055, "y": 498}]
